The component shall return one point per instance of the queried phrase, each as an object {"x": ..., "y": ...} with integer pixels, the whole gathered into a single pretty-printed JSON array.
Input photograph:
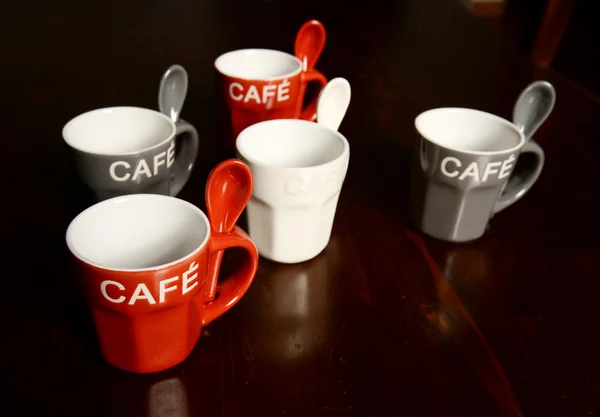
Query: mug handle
[
  {"x": 235, "y": 286},
  {"x": 518, "y": 185},
  {"x": 310, "y": 113},
  {"x": 186, "y": 158}
]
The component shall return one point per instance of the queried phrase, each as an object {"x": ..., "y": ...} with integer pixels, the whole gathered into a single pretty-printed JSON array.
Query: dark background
[{"x": 578, "y": 55}]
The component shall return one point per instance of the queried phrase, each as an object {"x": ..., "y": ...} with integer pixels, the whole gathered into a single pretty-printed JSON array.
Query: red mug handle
[
  {"x": 235, "y": 286},
  {"x": 312, "y": 75}
]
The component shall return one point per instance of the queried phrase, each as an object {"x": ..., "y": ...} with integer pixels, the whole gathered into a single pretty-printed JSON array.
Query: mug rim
[
  {"x": 475, "y": 112},
  {"x": 119, "y": 108},
  {"x": 259, "y": 50},
  {"x": 335, "y": 133},
  {"x": 121, "y": 199}
]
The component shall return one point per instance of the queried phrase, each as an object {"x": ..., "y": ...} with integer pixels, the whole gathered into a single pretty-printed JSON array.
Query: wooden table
[{"x": 385, "y": 322}]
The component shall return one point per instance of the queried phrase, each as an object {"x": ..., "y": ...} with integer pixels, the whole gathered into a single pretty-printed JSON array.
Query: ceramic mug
[
  {"x": 144, "y": 261},
  {"x": 264, "y": 84},
  {"x": 461, "y": 171},
  {"x": 299, "y": 168},
  {"x": 129, "y": 150}
]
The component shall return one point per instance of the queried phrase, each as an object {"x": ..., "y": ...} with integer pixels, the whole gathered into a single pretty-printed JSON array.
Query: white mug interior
[
  {"x": 469, "y": 131},
  {"x": 138, "y": 232},
  {"x": 291, "y": 143},
  {"x": 258, "y": 64},
  {"x": 118, "y": 130}
]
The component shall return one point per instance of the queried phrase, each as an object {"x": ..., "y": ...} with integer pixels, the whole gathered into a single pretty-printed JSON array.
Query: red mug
[
  {"x": 145, "y": 261},
  {"x": 264, "y": 84}
]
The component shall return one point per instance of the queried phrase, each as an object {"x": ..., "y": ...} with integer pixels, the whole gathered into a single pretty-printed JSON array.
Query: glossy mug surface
[
  {"x": 129, "y": 150},
  {"x": 144, "y": 261},
  {"x": 462, "y": 169},
  {"x": 263, "y": 84},
  {"x": 299, "y": 168}
]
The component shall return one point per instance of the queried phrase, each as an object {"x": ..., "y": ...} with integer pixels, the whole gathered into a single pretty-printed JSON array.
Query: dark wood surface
[
  {"x": 554, "y": 23},
  {"x": 385, "y": 322}
]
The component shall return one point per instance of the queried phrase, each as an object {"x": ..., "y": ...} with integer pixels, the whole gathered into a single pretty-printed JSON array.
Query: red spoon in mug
[
  {"x": 228, "y": 190},
  {"x": 310, "y": 41}
]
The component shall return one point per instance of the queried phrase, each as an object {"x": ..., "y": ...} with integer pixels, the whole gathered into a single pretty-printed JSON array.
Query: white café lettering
[
  {"x": 121, "y": 170},
  {"x": 142, "y": 292},
  {"x": 452, "y": 167},
  {"x": 280, "y": 92},
  {"x": 316, "y": 184}
]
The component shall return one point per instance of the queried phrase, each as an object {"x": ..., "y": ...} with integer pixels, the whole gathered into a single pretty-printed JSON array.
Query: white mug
[{"x": 298, "y": 168}]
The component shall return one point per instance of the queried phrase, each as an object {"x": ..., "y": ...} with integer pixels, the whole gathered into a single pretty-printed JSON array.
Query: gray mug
[
  {"x": 461, "y": 171},
  {"x": 131, "y": 150}
]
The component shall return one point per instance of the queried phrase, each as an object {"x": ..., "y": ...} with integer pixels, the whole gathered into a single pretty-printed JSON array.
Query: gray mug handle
[
  {"x": 518, "y": 184},
  {"x": 186, "y": 157}
]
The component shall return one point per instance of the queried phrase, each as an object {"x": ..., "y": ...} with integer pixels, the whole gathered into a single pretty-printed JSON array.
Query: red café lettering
[
  {"x": 260, "y": 95},
  {"x": 142, "y": 292}
]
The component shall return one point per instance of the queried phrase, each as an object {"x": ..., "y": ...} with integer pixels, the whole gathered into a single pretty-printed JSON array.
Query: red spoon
[
  {"x": 228, "y": 190},
  {"x": 310, "y": 41}
]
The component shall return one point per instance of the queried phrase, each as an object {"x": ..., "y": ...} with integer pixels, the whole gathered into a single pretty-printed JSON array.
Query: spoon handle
[
  {"x": 214, "y": 266},
  {"x": 185, "y": 159},
  {"x": 232, "y": 288},
  {"x": 310, "y": 112},
  {"x": 519, "y": 183}
]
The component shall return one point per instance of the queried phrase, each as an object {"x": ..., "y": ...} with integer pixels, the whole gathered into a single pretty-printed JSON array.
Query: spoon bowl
[
  {"x": 333, "y": 103},
  {"x": 172, "y": 91},
  {"x": 532, "y": 108},
  {"x": 310, "y": 41}
]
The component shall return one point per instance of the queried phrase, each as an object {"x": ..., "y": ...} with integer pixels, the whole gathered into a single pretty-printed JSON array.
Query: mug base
[
  {"x": 451, "y": 239},
  {"x": 290, "y": 259},
  {"x": 145, "y": 369}
]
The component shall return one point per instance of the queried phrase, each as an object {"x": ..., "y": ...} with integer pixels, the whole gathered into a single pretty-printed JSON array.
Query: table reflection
[
  {"x": 168, "y": 398},
  {"x": 163, "y": 394},
  {"x": 287, "y": 312},
  {"x": 472, "y": 262}
]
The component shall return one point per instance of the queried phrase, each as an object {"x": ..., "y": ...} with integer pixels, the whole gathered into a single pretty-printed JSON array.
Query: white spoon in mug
[
  {"x": 532, "y": 108},
  {"x": 172, "y": 91},
  {"x": 333, "y": 102}
]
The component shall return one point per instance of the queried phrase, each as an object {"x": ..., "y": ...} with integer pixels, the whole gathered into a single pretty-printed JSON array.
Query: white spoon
[
  {"x": 333, "y": 102},
  {"x": 532, "y": 108},
  {"x": 172, "y": 91}
]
